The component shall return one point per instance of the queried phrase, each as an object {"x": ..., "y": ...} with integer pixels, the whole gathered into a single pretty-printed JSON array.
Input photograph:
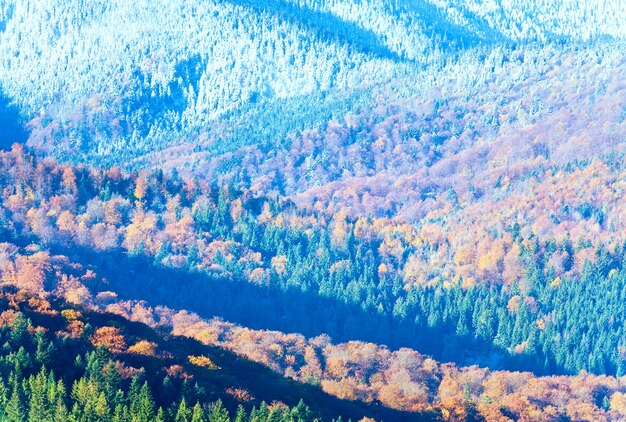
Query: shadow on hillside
[
  {"x": 326, "y": 25},
  {"x": 295, "y": 311},
  {"x": 452, "y": 35},
  {"x": 435, "y": 24},
  {"x": 11, "y": 127},
  {"x": 235, "y": 371}
]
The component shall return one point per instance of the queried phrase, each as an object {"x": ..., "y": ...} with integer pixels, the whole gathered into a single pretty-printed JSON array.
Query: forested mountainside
[
  {"x": 75, "y": 368},
  {"x": 192, "y": 252},
  {"x": 542, "y": 20},
  {"x": 109, "y": 81},
  {"x": 383, "y": 209},
  {"x": 71, "y": 353}
]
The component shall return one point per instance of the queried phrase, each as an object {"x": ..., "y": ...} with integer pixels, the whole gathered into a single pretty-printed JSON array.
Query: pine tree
[
  {"x": 197, "y": 414},
  {"x": 16, "y": 408},
  {"x": 160, "y": 416},
  {"x": 260, "y": 414},
  {"x": 120, "y": 414},
  {"x": 51, "y": 391},
  {"x": 60, "y": 403},
  {"x": 4, "y": 399},
  {"x": 21, "y": 361},
  {"x": 60, "y": 411},
  {"x": 142, "y": 407},
  {"x": 183, "y": 414},
  {"x": 76, "y": 413},
  {"x": 133, "y": 393},
  {"x": 19, "y": 330},
  {"x": 241, "y": 414},
  {"x": 101, "y": 408},
  {"x": 42, "y": 354},
  {"x": 301, "y": 412},
  {"x": 218, "y": 413},
  {"x": 38, "y": 403}
]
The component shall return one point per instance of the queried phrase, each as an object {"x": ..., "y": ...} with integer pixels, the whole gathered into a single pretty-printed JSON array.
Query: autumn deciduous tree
[
  {"x": 259, "y": 276},
  {"x": 66, "y": 223},
  {"x": 40, "y": 224},
  {"x": 115, "y": 210},
  {"x": 618, "y": 403},
  {"x": 110, "y": 338},
  {"x": 180, "y": 233},
  {"x": 141, "y": 232},
  {"x": 27, "y": 272},
  {"x": 240, "y": 394},
  {"x": 203, "y": 362},
  {"x": 105, "y": 236},
  {"x": 340, "y": 230},
  {"x": 73, "y": 290},
  {"x": 68, "y": 181},
  {"x": 141, "y": 189},
  {"x": 279, "y": 263},
  {"x": 75, "y": 328},
  {"x": 71, "y": 314},
  {"x": 143, "y": 347}
]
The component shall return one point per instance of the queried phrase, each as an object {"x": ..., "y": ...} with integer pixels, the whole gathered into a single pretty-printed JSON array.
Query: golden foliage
[
  {"x": 75, "y": 328},
  {"x": 41, "y": 305},
  {"x": 203, "y": 362},
  {"x": 143, "y": 347},
  {"x": 618, "y": 403},
  {"x": 513, "y": 304},
  {"x": 7, "y": 317},
  {"x": 69, "y": 180},
  {"x": 141, "y": 187},
  {"x": 141, "y": 231},
  {"x": 27, "y": 272},
  {"x": 541, "y": 324},
  {"x": 110, "y": 338},
  {"x": 520, "y": 348},
  {"x": 340, "y": 230},
  {"x": 180, "y": 233},
  {"x": 236, "y": 209}
]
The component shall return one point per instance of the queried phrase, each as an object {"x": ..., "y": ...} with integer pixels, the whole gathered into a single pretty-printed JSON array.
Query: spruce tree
[
  {"x": 143, "y": 408},
  {"x": 38, "y": 403},
  {"x": 218, "y": 413},
  {"x": 197, "y": 414},
  {"x": 16, "y": 407},
  {"x": 183, "y": 414},
  {"x": 241, "y": 414},
  {"x": 101, "y": 408}
]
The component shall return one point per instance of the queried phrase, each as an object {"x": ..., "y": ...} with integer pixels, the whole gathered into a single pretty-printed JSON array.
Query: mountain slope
[
  {"x": 192, "y": 254},
  {"x": 75, "y": 341},
  {"x": 542, "y": 20},
  {"x": 110, "y": 81},
  {"x": 193, "y": 62},
  {"x": 332, "y": 189}
]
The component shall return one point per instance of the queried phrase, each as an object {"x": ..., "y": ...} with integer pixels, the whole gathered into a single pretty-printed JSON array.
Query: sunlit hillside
[{"x": 398, "y": 210}]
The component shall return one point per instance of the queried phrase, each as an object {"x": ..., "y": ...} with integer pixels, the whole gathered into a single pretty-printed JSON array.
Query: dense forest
[
  {"x": 108, "y": 82},
  {"x": 312, "y": 210},
  {"x": 60, "y": 361},
  {"x": 264, "y": 263},
  {"x": 93, "y": 385}
]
